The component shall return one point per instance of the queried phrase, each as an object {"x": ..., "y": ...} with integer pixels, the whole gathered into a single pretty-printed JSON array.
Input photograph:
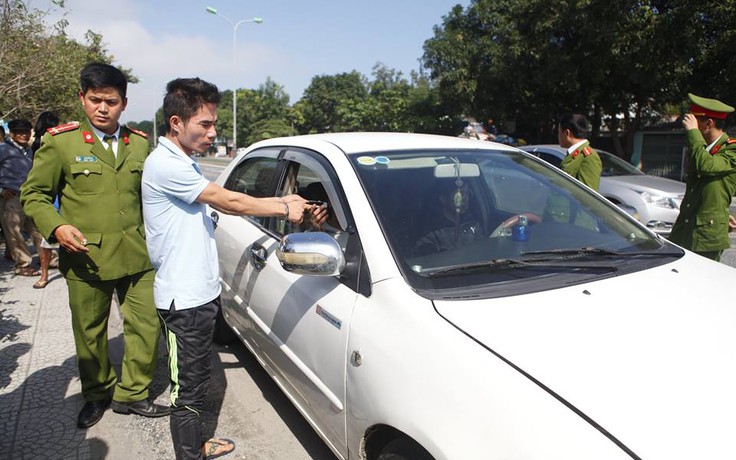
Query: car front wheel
[{"x": 404, "y": 449}]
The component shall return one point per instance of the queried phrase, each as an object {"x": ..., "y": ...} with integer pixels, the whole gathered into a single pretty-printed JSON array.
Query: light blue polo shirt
[{"x": 179, "y": 235}]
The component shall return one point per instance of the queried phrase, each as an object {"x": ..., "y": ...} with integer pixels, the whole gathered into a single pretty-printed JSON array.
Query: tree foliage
[
  {"x": 329, "y": 99},
  {"x": 622, "y": 63},
  {"x": 39, "y": 64}
]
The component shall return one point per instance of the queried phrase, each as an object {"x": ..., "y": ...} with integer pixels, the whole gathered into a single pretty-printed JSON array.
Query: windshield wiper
[
  {"x": 503, "y": 264},
  {"x": 572, "y": 253}
]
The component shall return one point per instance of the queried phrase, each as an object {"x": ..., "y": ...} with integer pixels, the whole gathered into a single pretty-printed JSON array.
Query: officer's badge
[
  {"x": 63, "y": 128},
  {"x": 88, "y": 138},
  {"x": 86, "y": 159}
]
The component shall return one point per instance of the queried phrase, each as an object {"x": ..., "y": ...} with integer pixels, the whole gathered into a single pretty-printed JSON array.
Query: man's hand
[
  {"x": 318, "y": 215},
  {"x": 71, "y": 239},
  {"x": 731, "y": 223},
  {"x": 297, "y": 206},
  {"x": 689, "y": 121}
]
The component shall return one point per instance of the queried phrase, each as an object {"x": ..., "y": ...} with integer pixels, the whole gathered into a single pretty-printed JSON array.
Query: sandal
[
  {"x": 27, "y": 271},
  {"x": 40, "y": 284},
  {"x": 217, "y": 447}
]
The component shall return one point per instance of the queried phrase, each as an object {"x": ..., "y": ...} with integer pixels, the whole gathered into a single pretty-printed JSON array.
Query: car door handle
[
  {"x": 258, "y": 255},
  {"x": 215, "y": 218}
]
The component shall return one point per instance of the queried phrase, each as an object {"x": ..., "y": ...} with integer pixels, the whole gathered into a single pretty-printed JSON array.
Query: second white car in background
[{"x": 655, "y": 199}]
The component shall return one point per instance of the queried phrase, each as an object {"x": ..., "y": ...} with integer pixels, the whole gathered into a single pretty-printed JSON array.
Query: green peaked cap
[{"x": 708, "y": 107}]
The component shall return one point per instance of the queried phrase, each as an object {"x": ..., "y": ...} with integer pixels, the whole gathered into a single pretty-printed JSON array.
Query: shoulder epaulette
[
  {"x": 138, "y": 132},
  {"x": 587, "y": 152},
  {"x": 731, "y": 141},
  {"x": 71, "y": 126}
]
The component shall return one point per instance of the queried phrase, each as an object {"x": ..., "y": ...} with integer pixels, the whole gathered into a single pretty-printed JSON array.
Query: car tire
[
  {"x": 404, "y": 449},
  {"x": 223, "y": 333}
]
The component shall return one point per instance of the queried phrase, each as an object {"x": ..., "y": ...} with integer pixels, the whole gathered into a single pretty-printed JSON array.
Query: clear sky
[{"x": 298, "y": 39}]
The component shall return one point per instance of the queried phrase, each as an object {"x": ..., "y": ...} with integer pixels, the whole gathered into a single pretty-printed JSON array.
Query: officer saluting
[
  {"x": 95, "y": 168},
  {"x": 702, "y": 225}
]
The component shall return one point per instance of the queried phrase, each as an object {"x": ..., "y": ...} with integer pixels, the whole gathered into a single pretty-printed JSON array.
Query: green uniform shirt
[
  {"x": 702, "y": 224},
  {"x": 99, "y": 194},
  {"x": 584, "y": 164}
]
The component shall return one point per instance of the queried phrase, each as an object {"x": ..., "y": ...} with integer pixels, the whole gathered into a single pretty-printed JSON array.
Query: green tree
[
  {"x": 530, "y": 60},
  {"x": 39, "y": 65},
  {"x": 329, "y": 99},
  {"x": 268, "y": 129},
  {"x": 706, "y": 32}
]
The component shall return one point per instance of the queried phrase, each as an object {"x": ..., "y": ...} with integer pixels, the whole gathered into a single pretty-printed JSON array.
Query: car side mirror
[{"x": 311, "y": 253}]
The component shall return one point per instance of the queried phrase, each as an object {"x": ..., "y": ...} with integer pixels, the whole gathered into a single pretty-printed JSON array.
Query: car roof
[
  {"x": 556, "y": 149},
  {"x": 360, "y": 142}
]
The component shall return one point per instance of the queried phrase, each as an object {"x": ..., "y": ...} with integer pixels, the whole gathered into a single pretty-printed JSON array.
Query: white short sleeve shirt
[{"x": 179, "y": 234}]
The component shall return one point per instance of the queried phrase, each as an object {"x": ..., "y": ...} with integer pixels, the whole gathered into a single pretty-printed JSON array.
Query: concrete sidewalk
[{"x": 40, "y": 392}]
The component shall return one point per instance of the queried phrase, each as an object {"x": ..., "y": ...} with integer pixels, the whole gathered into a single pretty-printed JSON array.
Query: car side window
[
  {"x": 310, "y": 179},
  {"x": 254, "y": 177},
  {"x": 551, "y": 159}
]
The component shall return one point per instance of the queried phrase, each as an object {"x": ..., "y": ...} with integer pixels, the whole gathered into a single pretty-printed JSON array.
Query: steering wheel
[{"x": 501, "y": 230}]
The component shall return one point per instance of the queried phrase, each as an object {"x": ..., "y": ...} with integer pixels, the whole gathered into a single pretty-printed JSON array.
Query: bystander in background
[
  {"x": 47, "y": 255},
  {"x": 581, "y": 162},
  {"x": 16, "y": 159}
]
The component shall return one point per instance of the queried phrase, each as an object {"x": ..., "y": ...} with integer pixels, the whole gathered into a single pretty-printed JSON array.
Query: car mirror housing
[{"x": 311, "y": 253}]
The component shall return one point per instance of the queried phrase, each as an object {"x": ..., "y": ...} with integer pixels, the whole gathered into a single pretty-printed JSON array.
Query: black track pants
[{"x": 189, "y": 340}]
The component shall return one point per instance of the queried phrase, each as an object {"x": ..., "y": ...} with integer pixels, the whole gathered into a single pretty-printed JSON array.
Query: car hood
[
  {"x": 650, "y": 356},
  {"x": 654, "y": 183}
]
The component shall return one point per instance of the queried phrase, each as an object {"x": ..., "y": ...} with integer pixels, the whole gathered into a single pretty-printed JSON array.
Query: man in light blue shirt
[{"x": 181, "y": 245}]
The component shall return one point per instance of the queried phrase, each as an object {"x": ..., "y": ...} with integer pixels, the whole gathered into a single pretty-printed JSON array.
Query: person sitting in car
[{"x": 455, "y": 223}]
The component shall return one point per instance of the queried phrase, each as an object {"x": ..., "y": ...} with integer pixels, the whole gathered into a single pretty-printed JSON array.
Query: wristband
[{"x": 286, "y": 209}]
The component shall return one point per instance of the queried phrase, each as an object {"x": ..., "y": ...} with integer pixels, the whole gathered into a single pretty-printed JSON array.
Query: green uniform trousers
[{"x": 90, "y": 306}]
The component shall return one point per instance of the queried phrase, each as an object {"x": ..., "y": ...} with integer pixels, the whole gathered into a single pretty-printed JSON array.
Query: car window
[
  {"x": 615, "y": 166},
  {"x": 554, "y": 160},
  {"x": 312, "y": 180},
  {"x": 255, "y": 177},
  {"x": 441, "y": 209}
]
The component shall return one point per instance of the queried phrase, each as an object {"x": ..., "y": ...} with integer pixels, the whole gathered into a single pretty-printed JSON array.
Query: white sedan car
[
  {"x": 654, "y": 200},
  {"x": 466, "y": 300}
]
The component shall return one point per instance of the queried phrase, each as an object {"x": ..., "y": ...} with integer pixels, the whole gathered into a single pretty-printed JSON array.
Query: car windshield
[
  {"x": 463, "y": 218},
  {"x": 615, "y": 166}
]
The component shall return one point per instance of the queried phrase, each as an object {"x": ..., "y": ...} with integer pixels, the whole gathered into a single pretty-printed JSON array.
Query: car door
[
  {"x": 236, "y": 235},
  {"x": 302, "y": 322}
]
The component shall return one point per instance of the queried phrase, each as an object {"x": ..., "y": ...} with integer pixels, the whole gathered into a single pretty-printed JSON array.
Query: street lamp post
[{"x": 235, "y": 25}]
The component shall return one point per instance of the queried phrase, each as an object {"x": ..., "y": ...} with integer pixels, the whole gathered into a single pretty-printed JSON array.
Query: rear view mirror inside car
[{"x": 450, "y": 170}]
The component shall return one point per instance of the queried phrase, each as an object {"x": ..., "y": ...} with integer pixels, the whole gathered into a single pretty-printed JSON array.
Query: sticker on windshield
[
  {"x": 382, "y": 160},
  {"x": 367, "y": 161}
]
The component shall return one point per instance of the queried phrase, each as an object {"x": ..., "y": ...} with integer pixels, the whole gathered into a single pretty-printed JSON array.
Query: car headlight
[{"x": 659, "y": 200}]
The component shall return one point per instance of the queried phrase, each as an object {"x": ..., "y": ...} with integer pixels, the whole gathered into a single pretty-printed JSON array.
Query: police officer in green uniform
[
  {"x": 581, "y": 161},
  {"x": 95, "y": 168},
  {"x": 702, "y": 225}
]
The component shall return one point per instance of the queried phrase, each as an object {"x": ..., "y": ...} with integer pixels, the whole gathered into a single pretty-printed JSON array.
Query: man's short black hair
[
  {"x": 576, "y": 123},
  {"x": 19, "y": 125},
  {"x": 96, "y": 75},
  {"x": 185, "y": 96}
]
